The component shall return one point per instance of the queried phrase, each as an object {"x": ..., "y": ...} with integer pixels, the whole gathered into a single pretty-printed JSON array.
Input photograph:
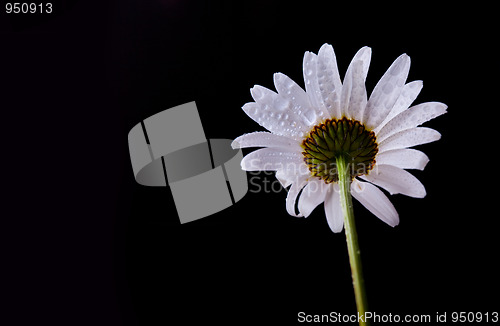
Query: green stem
[{"x": 352, "y": 237}]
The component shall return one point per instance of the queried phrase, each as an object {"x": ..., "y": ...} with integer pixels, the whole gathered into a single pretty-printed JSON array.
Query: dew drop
[
  {"x": 281, "y": 103},
  {"x": 310, "y": 116}
]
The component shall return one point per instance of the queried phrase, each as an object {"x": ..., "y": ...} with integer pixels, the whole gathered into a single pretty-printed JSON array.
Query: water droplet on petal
[
  {"x": 310, "y": 116},
  {"x": 281, "y": 103}
]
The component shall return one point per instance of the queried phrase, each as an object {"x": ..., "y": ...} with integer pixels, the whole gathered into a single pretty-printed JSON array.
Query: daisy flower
[
  {"x": 331, "y": 142},
  {"x": 333, "y": 125}
]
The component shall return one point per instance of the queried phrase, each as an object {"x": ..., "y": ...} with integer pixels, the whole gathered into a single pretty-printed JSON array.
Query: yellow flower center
[{"x": 334, "y": 138}]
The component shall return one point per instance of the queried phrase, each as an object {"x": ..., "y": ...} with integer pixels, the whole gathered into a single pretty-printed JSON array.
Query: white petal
[
  {"x": 333, "y": 209},
  {"x": 288, "y": 176},
  {"x": 404, "y": 158},
  {"x": 375, "y": 201},
  {"x": 265, "y": 139},
  {"x": 312, "y": 86},
  {"x": 395, "y": 181},
  {"x": 413, "y": 117},
  {"x": 284, "y": 178},
  {"x": 408, "y": 94},
  {"x": 386, "y": 92},
  {"x": 270, "y": 159},
  {"x": 263, "y": 95},
  {"x": 364, "y": 55},
  {"x": 299, "y": 101},
  {"x": 353, "y": 98},
  {"x": 408, "y": 138},
  {"x": 312, "y": 195},
  {"x": 357, "y": 72},
  {"x": 330, "y": 86},
  {"x": 293, "y": 192},
  {"x": 279, "y": 123},
  {"x": 274, "y": 113}
]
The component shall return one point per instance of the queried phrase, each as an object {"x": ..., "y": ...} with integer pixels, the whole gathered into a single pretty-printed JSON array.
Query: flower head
[{"x": 310, "y": 129}]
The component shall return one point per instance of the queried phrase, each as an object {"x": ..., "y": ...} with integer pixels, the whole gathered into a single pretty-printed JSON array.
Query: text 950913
[{"x": 28, "y": 8}]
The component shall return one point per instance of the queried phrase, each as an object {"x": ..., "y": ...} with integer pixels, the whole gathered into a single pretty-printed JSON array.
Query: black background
[{"x": 85, "y": 245}]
